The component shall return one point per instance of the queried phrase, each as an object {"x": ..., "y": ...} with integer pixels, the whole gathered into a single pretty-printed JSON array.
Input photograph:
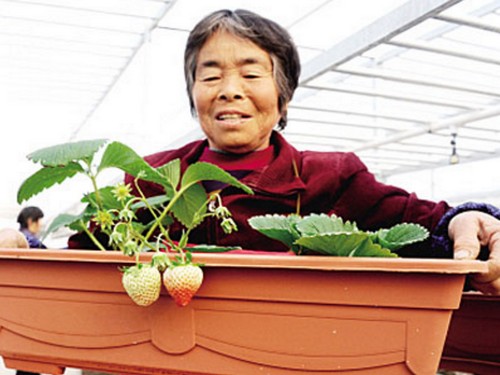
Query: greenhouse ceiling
[{"x": 407, "y": 85}]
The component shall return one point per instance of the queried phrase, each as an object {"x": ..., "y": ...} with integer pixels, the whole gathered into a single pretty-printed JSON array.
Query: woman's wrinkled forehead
[{"x": 223, "y": 46}]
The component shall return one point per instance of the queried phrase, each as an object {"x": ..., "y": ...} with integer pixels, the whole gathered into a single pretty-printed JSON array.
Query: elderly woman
[{"x": 241, "y": 72}]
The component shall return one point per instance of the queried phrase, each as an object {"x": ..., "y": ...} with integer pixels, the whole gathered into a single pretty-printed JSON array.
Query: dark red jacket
[{"x": 328, "y": 182}]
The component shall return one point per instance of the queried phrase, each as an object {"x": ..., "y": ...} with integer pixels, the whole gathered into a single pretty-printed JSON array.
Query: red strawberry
[
  {"x": 182, "y": 282},
  {"x": 142, "y": 283}
]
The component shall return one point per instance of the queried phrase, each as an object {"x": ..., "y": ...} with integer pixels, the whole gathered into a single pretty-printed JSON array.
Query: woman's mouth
[{"x": 232, "y": 118}]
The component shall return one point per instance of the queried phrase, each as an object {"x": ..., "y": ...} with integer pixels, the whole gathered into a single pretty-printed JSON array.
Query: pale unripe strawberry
[
  {"x": 182, "y": 282},
  {"x": 142, "y": 283}
]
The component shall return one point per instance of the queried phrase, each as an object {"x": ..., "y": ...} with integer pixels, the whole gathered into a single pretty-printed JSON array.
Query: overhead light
[{"x": 454, "y": 158}]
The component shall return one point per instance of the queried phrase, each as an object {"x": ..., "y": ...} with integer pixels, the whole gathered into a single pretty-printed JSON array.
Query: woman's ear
[
  {"x": 282, "y": 121},
  {"x": 284, "y": 108}
]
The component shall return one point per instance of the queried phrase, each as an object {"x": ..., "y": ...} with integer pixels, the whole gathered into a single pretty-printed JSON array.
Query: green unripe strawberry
[
  {"x": 142, "y": 283},
  {"x": 182, "y": 282}
]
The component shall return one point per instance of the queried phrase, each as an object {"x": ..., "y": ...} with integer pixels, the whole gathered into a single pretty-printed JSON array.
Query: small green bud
[
  {"x": 228, "y": 226},
  {"x": 126, "y": 214},
  {"x": 130, "y": 247},
  {"x": 115, "y": 237},
  {"x": 104, "y": 219}
]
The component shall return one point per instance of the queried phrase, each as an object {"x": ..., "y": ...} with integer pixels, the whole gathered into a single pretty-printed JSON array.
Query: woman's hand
[{"x": 469, "y": 231}]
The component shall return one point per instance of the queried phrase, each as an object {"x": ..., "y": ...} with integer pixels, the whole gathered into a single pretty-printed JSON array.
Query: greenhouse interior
[{"x": 412, "y": 87}]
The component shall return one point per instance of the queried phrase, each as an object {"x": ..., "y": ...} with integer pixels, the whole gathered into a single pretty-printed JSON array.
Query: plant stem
[
  {"x": 96, "y": 190},
  {"x": 297, "y": 175},
  {"x": 92, "y": 237},
  {"x": 144, "y": 199},
  {"x": 166, "y": 211}
]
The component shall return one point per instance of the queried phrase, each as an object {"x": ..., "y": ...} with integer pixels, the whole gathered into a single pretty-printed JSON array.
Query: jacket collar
[{"x": 278, "y": 178}]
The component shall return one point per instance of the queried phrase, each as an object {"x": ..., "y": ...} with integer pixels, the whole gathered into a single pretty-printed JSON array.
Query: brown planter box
[
  {"x": 473, "y": 341},
  {"x": 253, "y": 315}
]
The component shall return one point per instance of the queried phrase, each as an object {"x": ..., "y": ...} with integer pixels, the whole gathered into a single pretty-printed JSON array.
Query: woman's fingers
[
  {"x": 464, "y": 231},
  {"x": 471, "y": 230},
  {"x": 489, "y": 282}
]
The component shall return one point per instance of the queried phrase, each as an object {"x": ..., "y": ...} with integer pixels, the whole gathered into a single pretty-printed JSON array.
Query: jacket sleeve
[{"x": 375, "y": 205}]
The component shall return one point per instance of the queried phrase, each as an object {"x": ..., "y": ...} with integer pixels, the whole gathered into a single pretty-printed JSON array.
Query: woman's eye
[
  {"x": 251, "y": 76},
  {"x": 210, "y": 79}
]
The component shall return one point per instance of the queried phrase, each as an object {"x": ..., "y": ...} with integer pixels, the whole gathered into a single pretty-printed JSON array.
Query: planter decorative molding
[{"x": 254, "y": 314}]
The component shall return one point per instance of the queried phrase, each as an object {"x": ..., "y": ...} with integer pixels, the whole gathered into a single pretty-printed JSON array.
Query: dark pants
[{"x": 19, "y": 372}]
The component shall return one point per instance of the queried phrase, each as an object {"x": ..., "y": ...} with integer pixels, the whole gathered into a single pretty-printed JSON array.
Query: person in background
[{"x": 30, "y": 224}]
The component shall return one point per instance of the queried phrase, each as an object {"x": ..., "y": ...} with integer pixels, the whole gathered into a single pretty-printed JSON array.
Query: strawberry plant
[
  {"x": 114, "y": 211},
  {"x": 330, "y": 235}
]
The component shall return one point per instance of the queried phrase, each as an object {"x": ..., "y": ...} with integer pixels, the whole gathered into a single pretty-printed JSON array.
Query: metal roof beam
[
  {"x": 409, "y": 14},
  {"x": 493, "y": 139},
  {"x": 485, "y": 9},
  {"x": 395, "y": 160},
  {"x": 359, "y": 113},
  {"x": 324, "y": 136},
  {"x": 341, "y": 123},
  {"x": 387, "y": 94},
  {"x": 444, "y": 163},
  {"x": 443, "y": 51},
  {"x": 53, "y": 86},
  {"x": 65, "y": 50},
  {"x": 456, "y": 121},
  {"x": 70, "y": 25},
  {"x": 424, "y": 150},
  {"x": 333, "y": 144},
  {"x": 446, "y": 147},
  {"x": 468, "y": 21},
  {"x": 416, "y": 80},
  {"x": 66, "y": 40},
  {"x": 78, "y": 9}
]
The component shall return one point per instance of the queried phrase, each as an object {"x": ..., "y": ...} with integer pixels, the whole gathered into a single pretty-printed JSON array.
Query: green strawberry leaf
[
  {"x": 212, "y": 248},
  {"x": 63, "y": 154},
  {"x": 152, "y": 202},
  {"x": 401, "y": 235},
  {"x": 172, "y": 172},
  {"x": 344, "y": 244},
  {"x": 322, "y": 223},
  {"x": 191, "y": 206},
  {"x": 108, "y": 199},
  {"x": 278, "y": 227},
  {"x": 202, "y": 171},
  {"x": 45, "y": 178},
  {"x": 369, "y": 249},
  {"x": 118, "y": 155},
  {"x": 63, "y": 220},
  {"x": 338, "y": 244}
]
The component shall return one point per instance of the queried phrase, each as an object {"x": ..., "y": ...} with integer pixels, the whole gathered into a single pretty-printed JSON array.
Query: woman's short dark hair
[
  {"x": 265, "y": 33},
  {"x": 31, "y": 212}
]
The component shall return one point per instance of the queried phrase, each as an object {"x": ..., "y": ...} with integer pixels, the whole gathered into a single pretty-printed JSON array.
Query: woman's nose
[{"x": 231, "y": 88}]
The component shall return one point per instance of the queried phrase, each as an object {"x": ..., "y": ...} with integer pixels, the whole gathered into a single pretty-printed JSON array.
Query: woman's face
[{"x": 235, "y": 94}]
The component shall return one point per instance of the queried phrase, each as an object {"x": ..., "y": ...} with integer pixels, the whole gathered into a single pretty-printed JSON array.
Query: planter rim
[{"x": 322, "y": 263}]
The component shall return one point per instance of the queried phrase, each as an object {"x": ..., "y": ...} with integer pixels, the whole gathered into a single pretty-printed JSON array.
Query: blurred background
[{"x": 413, "y": 87}]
